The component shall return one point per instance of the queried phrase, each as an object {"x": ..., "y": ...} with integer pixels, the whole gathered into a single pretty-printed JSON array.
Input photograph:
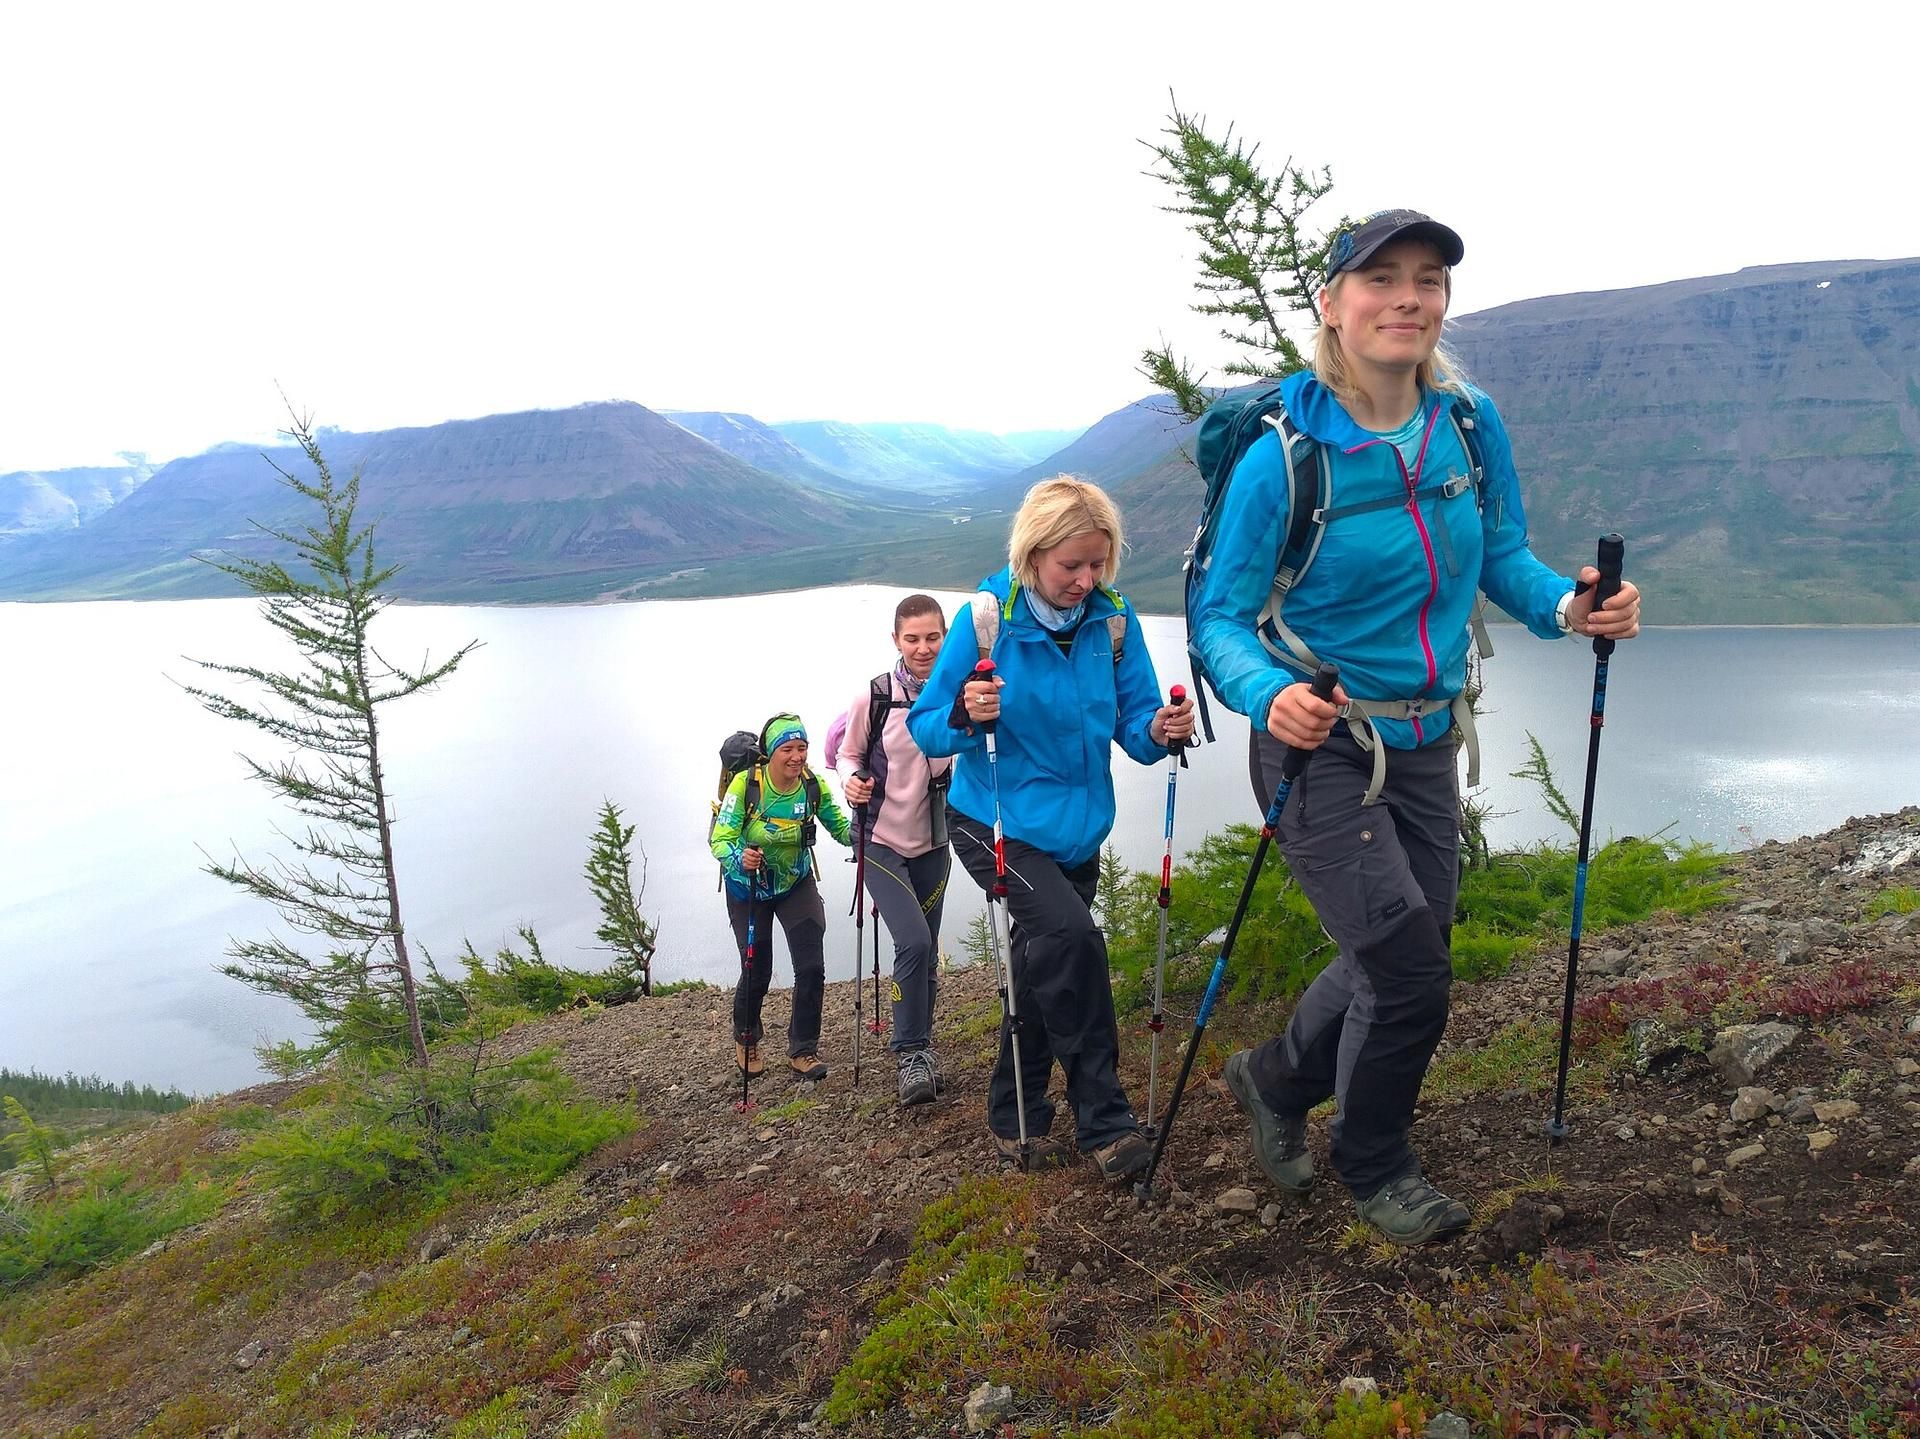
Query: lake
[{"x": 119, "y": 786}]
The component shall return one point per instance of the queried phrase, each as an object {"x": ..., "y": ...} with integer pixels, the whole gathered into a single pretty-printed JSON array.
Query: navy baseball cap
[{"x": 1355, "y": 245}]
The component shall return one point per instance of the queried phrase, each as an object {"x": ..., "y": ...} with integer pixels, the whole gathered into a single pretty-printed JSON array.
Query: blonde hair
[
  {"x": 1439, "y": 371},
  {"x": 1056, "y": 511}
]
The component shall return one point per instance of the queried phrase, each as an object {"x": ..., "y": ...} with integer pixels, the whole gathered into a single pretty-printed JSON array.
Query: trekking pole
[
  {"x": 745, "y": 1102},
  {"x": 1159, "y": 1020},
  {"x": 1295, "y": 760},
  {"x": 859, "y": 921},
  {"x": 1612, "y": 552},
  {"x": 876, "y": 1024},
  {"x": 996, "y": 899}
]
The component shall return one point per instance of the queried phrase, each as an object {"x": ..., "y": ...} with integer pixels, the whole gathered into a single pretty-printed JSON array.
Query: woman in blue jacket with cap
[
  {"x": 1371, "y": 830},
  {"x": 1073, "y": 679}
]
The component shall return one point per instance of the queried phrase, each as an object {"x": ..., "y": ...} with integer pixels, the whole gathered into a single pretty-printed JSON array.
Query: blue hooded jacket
[
  {"x": 1060, "y": 715},
  {"x": 1389, "y": 594}
]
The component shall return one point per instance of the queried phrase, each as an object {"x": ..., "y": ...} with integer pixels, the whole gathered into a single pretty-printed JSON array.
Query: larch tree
[{"x": 340, "y": 885}]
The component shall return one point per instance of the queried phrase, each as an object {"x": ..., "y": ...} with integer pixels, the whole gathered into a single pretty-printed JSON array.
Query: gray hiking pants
[
  {"x": 911, "y": 893},
  {"x": 1061, "y": 990},
  {"x": 1382, "y": 879}
]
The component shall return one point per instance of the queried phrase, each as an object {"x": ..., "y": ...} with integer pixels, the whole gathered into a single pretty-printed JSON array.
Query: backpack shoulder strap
[
  {"x": 1117, "y": 621},
  {"x": 880, "y": 703},
  {"x": 988, "y": 612},
  {"x": 1309, "y": 488},
  {"x": 1465, "y": 425}
]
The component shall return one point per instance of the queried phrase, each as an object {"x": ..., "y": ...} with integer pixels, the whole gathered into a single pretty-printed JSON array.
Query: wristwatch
[{"x": 1562, "y": 615}]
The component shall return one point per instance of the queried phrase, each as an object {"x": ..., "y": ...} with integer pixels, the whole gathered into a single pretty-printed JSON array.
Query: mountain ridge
[{"x": 1755, "y": 436}]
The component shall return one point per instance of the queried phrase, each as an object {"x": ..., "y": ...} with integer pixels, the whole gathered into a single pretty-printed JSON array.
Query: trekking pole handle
[
  {"x": 983, "y": 671},
  {"x": 1613, "y": 550},
  {"x": 1175, "y": 697},
  {"x": 1324, "y": 680}
]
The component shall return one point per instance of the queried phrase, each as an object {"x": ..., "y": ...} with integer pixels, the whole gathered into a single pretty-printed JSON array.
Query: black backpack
[{"x": 741, "y": 751}]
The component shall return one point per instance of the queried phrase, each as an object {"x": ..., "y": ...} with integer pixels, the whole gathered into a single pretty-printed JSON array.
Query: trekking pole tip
[{"x": 1557, "y": 1131}]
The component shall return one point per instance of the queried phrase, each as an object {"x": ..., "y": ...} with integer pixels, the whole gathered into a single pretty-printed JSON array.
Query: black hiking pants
[
  {"x": 803, "y": 919},
  {"x": 1382, "y": 879},
  {"x": 1061, "y": 991}
]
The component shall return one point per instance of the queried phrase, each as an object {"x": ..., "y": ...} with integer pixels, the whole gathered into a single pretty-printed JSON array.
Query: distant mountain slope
[
  {"x": 35, "y": 500},
  {"x": 929, "y": 459},
  {"x": 1036, "y": 445},
  {"x": 533, "y": 505},
  {"x": 1755, "y": 436},
  {"x": 952, "y": 454},
  {"x": 851, "y": 452},
  {"x": 760, "y": 445}
]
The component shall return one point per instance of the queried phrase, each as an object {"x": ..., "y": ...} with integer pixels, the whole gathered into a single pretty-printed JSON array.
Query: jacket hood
[{"x": 1318, "y": 411}]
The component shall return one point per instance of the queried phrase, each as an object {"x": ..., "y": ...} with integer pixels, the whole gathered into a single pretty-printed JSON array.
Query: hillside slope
[{"x": 1728, "y": 1244}]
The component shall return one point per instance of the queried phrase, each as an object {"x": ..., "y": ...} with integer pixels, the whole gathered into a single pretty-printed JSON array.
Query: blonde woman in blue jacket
[
  {"x": 1073, "y": 679},
  {"x": 1371, "y": 830}
]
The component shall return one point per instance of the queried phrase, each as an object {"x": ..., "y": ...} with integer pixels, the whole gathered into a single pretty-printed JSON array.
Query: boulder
[
  {"x": 1742, "y": 1051},
  {"x": 986, "y": 1406}
]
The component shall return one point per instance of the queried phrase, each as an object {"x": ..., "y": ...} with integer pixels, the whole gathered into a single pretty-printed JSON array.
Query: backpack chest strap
[{"x": 1360, "y": 715}]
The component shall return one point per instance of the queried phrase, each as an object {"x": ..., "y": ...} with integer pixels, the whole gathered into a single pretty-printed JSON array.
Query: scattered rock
[
  {"x": 1832, "y": 1111},
  {"x": 1079, "y": 1270},
  {"x": 1358, "y": 1386},
  {"x": 1270, "y": 1215},
  {"x": 1447, "y": 1426},
  {"x": 1609, "y": 962},
  {"x": 1214, "y": 1160},
  {"x": 985, "y": 1406},
  {"x": 1913, "y": 1166},
  {"x": 754, "y": 1171},
  {"x": 251, "y": 1355},
  {"x": 439, "y": 1242},
  {"x": 765, "y": 1135},
  {"x": 1752, "y": 1102},
  {"x": 1236, "y": 1201},
  {"x": 1820, "y": 1139},
  {"x": 1742, "y": 1051},
  {"x": 1523, "y": 1229},
  {"x": 364, "y": 1281},
  {"x": 1745, "y": 1154},
  {"x": 1772, "y": 1204},
  {"x": 1799, "y": 1109},
  {"x": 1906, "y": 1068},
  {"x": 462, "y": 1334},
  {"x": 1698, "y": 1166}
]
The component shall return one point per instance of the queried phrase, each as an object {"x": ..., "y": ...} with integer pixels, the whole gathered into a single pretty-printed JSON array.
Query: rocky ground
[{"x": 1744, "y": 1148}]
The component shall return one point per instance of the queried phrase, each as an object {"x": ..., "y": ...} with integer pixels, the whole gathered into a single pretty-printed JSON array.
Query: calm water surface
[{"x": 119, "y": 785}]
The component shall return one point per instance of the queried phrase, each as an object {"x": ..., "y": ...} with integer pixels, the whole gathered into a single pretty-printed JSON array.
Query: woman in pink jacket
[{"x": 902, "y": 805}]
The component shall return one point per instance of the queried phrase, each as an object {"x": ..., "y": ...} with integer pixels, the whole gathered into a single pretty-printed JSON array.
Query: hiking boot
[
  {"x": 1042, "y": 1153},
  {"x": 808, "y": 1067},
  {"x": 918, "y": 1082},
  {"x": 1412, "y": 1211},
  {"x": 1124, "y": 1157},
  {"x": 1279, "y": 1140},
  {"x": 746, "y": 1058}
]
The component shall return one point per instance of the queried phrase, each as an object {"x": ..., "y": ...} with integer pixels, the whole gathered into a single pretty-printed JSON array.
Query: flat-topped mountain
[
  {"x": 1754, "y": 436},
  {"x": 543, "y": 504}
]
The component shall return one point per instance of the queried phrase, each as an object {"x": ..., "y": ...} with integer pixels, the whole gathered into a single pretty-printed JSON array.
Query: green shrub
[
  {"x": 477, "y": 1130},
  {"x": 69, "y": 1234},
  {"x": 1900, "y": 899},
  {"x": 1517, "y": 901}
]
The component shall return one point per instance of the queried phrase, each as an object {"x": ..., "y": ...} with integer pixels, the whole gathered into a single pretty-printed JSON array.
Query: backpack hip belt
[{"x": 1360, "y": 715}]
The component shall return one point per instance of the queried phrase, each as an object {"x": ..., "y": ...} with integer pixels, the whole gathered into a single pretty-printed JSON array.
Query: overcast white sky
[{"x": 405, "y": 213}]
